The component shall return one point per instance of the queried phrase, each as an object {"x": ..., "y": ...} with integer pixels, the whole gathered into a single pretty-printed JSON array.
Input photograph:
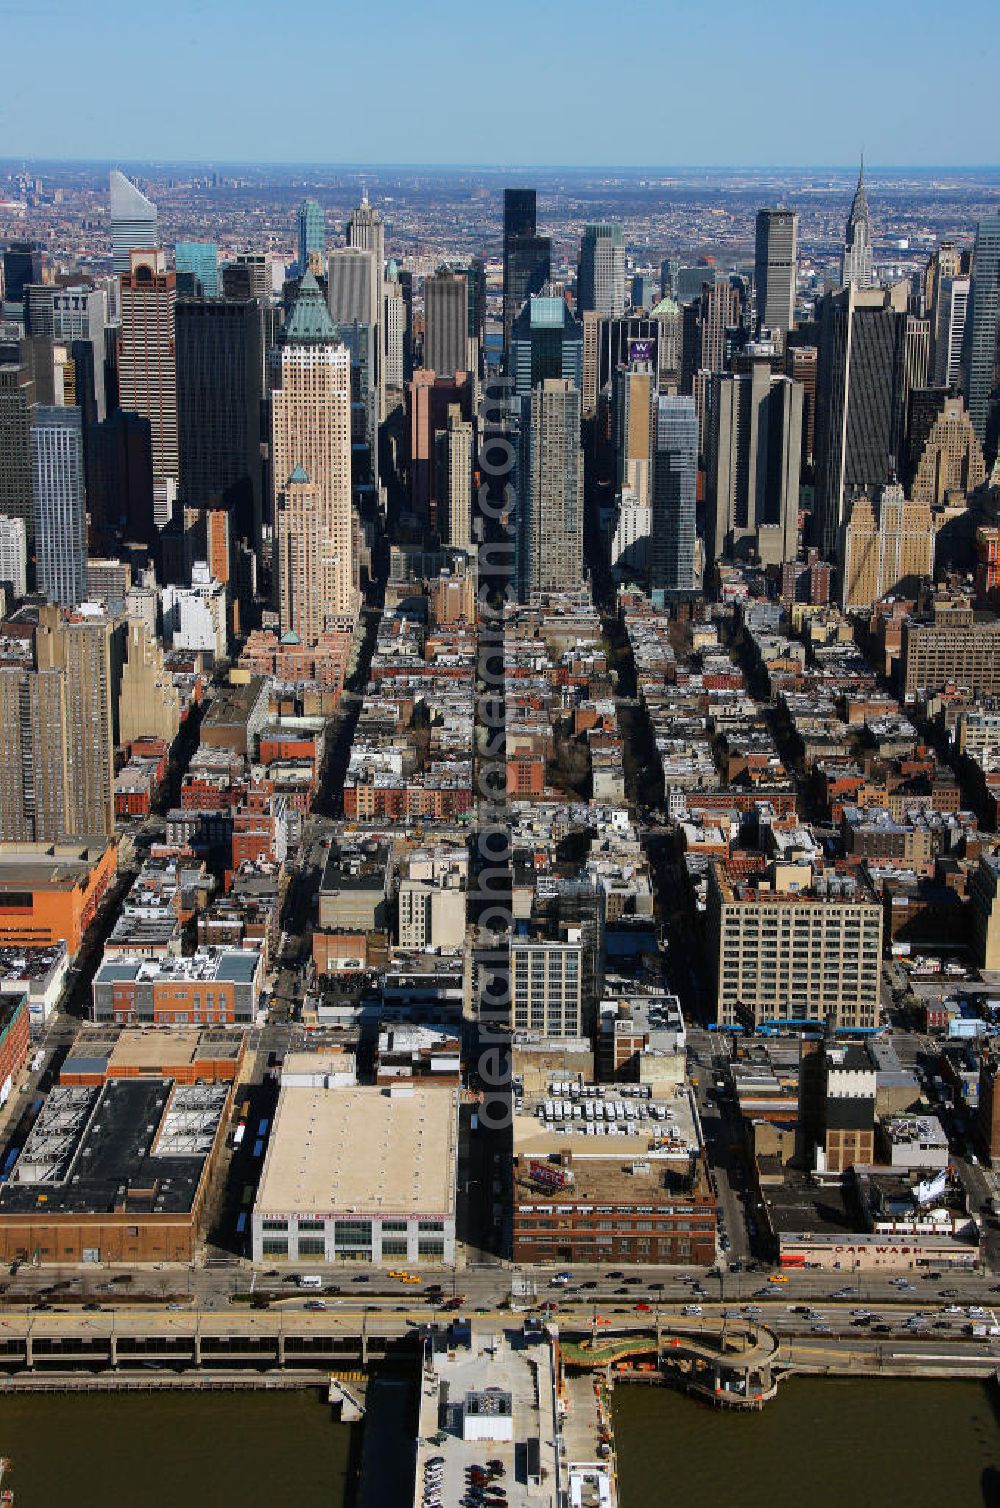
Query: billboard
[
  {"x": 641, "y": 350},
  {"x": 548, "y": 1174}
]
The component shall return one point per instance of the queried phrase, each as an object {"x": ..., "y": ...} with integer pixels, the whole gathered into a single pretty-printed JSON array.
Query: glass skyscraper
[
  {"x": 982, "y": 325},
  {"x": 546, "y": 341},
  {"x": 134, "y": 221},
  {"x": 200, "y": 259},
  {"x": 219, "y": 346},
  {"x": 600, "y": 279},
  {"x": 675, "y": 491},
  {"x": 526, "y": 255},
  {"x": 60, "y": 509},
  {"x": 312, "y": 238}
]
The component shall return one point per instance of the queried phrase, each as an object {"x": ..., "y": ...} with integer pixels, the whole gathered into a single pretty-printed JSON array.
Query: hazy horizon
[{"x": 21, "y": 160}]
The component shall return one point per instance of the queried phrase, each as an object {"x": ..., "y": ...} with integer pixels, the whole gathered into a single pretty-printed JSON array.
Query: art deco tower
[
  {"x": 856, "y": 263},
  {"x": 311, "y": 470}
]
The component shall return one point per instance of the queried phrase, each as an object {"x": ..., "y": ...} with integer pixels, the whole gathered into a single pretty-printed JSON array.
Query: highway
[
  {"x": 488, "y": 1285},
  {"x": 56, "y": 1343}
]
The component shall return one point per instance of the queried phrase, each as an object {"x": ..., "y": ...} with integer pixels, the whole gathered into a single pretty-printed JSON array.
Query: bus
[
  {"x": 239, "y": 1133},
  {"x": 262, "y": 1129},
  {"x": 245, "y": 1110},
  {"x": 241, "y": 1224},
  {"x": 258, "y": 1148},
  {"x": 247, "y": 1194}
]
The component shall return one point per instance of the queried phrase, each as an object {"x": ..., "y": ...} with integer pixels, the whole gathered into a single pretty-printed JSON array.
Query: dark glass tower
[
  {"x": 526, "y": 255},
  {"x": 22, "y": 264},
  {"x": 675, "y": 493},
  {"x": 519, "y": 212},
  {"x": 546, "y": 341},
  {"x": 860, "y": 401},
  {"x": 220, "y": 386}
]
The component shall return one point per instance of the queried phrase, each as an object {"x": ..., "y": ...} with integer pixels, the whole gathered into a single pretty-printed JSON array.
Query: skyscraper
[
  {"x": 859, "y": 400},
  {"x": 430, "y": 403},
  {"x": 349, "y": 286},
  {"x": 550, "y": 503},
  {"x": 675, "y": 487},
  {"x": 394, "y": 337},
  {"x": 13, "y": 555},
  {"x": 718, "y": 313},
  {"x": 147, "y": 369},
  {"x": 946, "y": 261},
  {"x": 80, "y": 314},
  {"x": 248, "y": 276},
  {"x": 519, "y": 215},
  {"x": 453, "y": 464},
  {"x": 644, "y": 292},
  {"x": 944, "y": 453},
  {"x": 856, "y": 269},
  {"x": 17, "y": 410},
  {"x": 220, "y": 385},
  {"x": 982, "y": 326},
  {"x": 39, "y": 309},
  {"x": 365, "y": 231},
  {"x": 633, "y": 403},
  {"x": 134, "y": 223},
  {"x": 446, "y": 323},
  {"x": 775, "y": 259},
  {"x": 546, "y": 341},
  {"x": 885, "y": 550},
  {"x": 948, "y": 330},
  {"x": 22, "y": 264},
  {"x": 120, "y": 481},
  {"x": 200, "y": 259},
  {"x": 801, "y": 364},
  {"x": 311, "y": 470},
  {"x": 32, "y": 750},
  {"x": 753, "y": 456},
  {"x": 528, "y": 267},
  {"x": 600, "y": 278},
  {"x": 60, "y": 507},
  {"x": 312, "y": 238},
  {"x": 526, "y": 255},
  {"x": 92, "y": 650}
]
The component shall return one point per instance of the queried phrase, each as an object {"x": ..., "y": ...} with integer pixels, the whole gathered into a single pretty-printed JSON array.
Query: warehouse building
[
  {"x": 608, "y": 1173},
  {"x": 360, "y": 1174},
  {"x": 118, "y": 1173}
]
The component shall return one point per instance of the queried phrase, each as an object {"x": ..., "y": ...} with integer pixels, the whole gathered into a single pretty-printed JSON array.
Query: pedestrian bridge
[{"x": 731, "y": 1365}]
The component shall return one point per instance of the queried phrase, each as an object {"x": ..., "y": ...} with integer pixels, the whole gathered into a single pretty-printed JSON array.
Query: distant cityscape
[{"x": 499, "y": 790}]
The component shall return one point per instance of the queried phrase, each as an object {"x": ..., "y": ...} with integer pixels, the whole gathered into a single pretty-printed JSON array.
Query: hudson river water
[
  {"x": 830, "y": 1444},
  {"x": 825, "y": 1443},
  {"x": 174, "y": 1450}
]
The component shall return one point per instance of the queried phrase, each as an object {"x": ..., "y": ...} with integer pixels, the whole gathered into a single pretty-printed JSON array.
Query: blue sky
[{"x": 590, "y": 82}]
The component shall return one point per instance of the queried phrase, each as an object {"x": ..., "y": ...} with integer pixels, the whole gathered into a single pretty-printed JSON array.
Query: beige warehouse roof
[{"x": 362, "y": 1151}]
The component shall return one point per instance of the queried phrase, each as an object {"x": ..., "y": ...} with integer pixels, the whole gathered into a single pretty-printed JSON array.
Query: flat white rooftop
[{"x": 362, "y": 1150}]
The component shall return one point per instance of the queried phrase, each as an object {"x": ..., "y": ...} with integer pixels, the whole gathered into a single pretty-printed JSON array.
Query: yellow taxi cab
[
  {"x": 409, "y": 1277},
  {"x": 777, "y": 1277}
]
